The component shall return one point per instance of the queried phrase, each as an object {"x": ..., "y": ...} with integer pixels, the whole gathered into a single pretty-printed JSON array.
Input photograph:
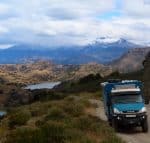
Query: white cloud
[
  {"x": 5, "y": 46},
  {"x": 137, "y": 8},
  {"x": 3, "y": 8},
  {"x": 73, "y": 21}
]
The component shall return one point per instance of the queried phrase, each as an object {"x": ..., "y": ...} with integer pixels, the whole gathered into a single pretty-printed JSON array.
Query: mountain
[
  {"x": 131, "y": 61},
  {"x": 106, "y": 50},
  {"x": 100, "y": 51}
]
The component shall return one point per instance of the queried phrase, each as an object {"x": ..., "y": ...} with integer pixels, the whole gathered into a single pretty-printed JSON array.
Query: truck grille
[{"x": 131, "y": 111}]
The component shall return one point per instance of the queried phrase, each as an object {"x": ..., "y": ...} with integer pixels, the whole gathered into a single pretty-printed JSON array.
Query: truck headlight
[
  {"x": 116, "y": 111},
  {"x": 143, "y": 110}
]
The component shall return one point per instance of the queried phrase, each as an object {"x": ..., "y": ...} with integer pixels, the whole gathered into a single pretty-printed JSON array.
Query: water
[
  {"x": 2, "y": 113},
  {"x": 46, "y": 85}
]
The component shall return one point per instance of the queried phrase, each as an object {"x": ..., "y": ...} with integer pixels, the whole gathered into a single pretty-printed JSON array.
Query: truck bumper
[{"x": 127, "y": 119}]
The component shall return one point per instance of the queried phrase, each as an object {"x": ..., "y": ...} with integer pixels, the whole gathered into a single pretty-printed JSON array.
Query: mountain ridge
[
  {"x": 98, "y": 52},
  {"x": 131, "y": 61}
]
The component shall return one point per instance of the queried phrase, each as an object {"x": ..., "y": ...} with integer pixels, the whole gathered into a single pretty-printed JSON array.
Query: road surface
[{"x": 129, "y": 135}]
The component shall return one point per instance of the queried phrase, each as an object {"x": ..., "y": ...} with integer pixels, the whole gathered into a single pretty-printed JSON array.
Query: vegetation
[
  {"x": 59, "y": 121},
  {"x": 19, "y": 118},
  {"x": 61, "y": 115}
]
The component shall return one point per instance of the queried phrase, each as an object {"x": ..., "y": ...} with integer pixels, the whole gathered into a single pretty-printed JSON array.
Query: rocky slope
[
  {"x": 131, "y": 61},
  {"x": 41, "y": 71}
]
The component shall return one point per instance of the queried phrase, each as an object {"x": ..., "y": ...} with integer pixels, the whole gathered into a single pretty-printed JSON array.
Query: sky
[{"x": 72, "y": 22}]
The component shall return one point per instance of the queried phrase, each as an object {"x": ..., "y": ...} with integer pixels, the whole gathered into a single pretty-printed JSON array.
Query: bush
[
  {"x": 55, "y": 113},
  {"x": 19, "y": 118},
  {"x": 51, "y": 132},
  {"x": 26, "y": 135},
  {"x": 54, "y": 132},
  {"x": 44, "y": 95},
  {"x": 83, "y": 123},
  {"x": 73, "y": 109},
  {"x": 77, "y": 136},
  {"x": 38, "y": 109}
]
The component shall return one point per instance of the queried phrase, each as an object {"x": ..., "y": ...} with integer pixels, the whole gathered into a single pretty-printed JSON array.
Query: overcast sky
[{"x": 59, "y": 22}]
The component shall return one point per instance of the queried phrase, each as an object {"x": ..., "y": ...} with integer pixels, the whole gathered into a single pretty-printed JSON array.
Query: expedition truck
[{"x": 124, "y": 103}]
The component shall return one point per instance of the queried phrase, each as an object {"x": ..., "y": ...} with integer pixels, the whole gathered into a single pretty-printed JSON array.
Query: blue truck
[{"x": 124, "y": 103}]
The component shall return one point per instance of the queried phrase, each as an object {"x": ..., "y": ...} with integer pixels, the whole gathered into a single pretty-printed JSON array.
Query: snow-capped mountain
[
  {"x": 103, "y": 50},
  {"x": 106, "y": 40}
]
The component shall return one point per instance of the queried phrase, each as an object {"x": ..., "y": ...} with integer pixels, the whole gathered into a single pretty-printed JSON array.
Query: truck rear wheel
[
  {"x": 115, "y": 125},
  {"x": 145, "y": 126}
]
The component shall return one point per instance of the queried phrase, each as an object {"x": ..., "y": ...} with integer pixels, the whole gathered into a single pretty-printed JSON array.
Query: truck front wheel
[
  {"x": 145, "y": 126},
  {"x": 115, "y": 125}
]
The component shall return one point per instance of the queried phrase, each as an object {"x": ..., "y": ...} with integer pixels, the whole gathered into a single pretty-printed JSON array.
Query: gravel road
[{"x": 129, "y": 135}]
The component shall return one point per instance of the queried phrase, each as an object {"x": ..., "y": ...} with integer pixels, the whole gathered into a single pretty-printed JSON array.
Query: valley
[
  {"x": 64, "y": 65},
  {"x": 65, "y": 108}
]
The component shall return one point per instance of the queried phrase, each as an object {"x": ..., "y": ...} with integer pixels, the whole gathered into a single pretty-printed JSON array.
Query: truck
[{"x": 124, "y": 103}]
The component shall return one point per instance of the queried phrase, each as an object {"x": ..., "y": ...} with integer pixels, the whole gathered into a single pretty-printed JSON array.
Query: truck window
[{"x": 126, "y": 98}]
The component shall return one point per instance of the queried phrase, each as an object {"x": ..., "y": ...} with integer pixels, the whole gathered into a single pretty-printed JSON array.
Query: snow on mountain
[
  {"x": 102, "y": 50},
  {"x": 106, "y": 40}
]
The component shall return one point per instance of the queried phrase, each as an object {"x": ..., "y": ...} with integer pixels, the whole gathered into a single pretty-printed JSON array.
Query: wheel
[
  {"x": 110, "y": 122},
  {"x": 145, "y": 126},
  {"x": 115, "y": 125}
]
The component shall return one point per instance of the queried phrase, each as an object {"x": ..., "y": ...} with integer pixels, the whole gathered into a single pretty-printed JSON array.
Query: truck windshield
[{"x": 127, "y": 98}]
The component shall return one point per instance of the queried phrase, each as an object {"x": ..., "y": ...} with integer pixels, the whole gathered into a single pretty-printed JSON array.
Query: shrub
[
  {"x": 38, "y": 109},
  {"x": 54, "y": 132},
  {"x": 51, "y": 132},
  {"x": 83, "y": 123},
  {"x": 25, "y": 135},
  {"x": 77, "y": 136},
  {"x": 73, "y": 108},
  {"x": 55, "y": 113},
  {"x": 44, "y": 95},
  {"x": 19, "y": 118}
]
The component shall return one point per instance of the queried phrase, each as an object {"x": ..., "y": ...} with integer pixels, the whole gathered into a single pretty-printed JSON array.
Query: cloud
[
  {"x": 137, "y": 8},
  {"x": 4, "y": 8},
  {"x": 58, "y": 22}
]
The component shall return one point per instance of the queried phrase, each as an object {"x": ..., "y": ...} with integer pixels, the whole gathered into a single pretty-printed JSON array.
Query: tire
[
  {"x": 115, "y": 125},
  {"x": 110, "y": 122},
  {"x": 145, "y": 126}
]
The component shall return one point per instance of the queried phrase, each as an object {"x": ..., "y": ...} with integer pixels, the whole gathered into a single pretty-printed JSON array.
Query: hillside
[
  {"x": 41, "y": 71},
  {"x": 131, "y": 61}
]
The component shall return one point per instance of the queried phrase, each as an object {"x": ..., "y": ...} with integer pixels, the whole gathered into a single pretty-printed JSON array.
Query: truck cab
[{"x": 124, "y": 103}]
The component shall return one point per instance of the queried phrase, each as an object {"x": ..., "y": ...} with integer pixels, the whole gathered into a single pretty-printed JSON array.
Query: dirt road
[{"x": 128, "y": 135}]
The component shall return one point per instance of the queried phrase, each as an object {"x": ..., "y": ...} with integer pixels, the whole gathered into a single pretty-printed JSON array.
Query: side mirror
[{"x": 146, "y": 99}]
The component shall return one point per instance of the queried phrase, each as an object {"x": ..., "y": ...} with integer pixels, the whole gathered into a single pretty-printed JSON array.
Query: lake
[
  {"x": 46, "y": 85},
  {"x": 3, "y": 113}
]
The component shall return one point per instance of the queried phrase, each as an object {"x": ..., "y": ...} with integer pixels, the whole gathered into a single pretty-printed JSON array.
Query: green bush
[
  {"x": 45, "y": 95},
  {"x": 54, "y": 132},
  {"x": 25, "y": 135},
  {"x": 38, "y": 110},
  {"x": 83, "y": 123},
  {"x": 74, "y": 109},
  {"x": 55, "y": 113},
  {"x": 19, "y": 118},
  {"x": 77, "y": 136}
]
